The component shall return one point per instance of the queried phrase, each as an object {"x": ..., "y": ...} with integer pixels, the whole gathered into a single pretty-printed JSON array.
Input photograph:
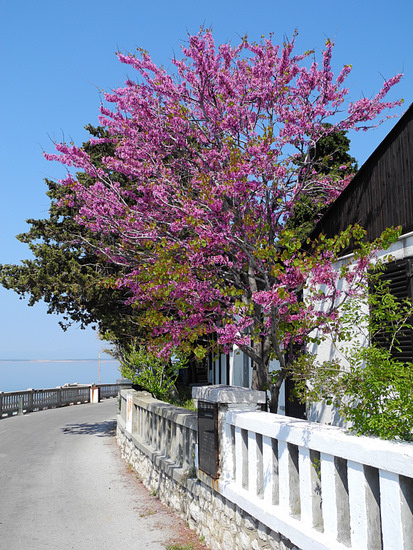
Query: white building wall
[
  {"x": 237, "y": 366},
  {"x": 327, "y": 350}
]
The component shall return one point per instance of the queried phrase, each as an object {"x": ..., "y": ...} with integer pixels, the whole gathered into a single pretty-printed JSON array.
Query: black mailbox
[{"x": 208, "y": 438}]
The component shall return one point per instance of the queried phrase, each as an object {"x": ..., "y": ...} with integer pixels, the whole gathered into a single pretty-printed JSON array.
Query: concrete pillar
[{"x": 225, "y": 399}]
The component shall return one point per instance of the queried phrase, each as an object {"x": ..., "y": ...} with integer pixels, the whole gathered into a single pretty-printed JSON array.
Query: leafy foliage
[
  {"x": 330, "y": 156},
  {"x": 149, "y": 372},
  {"x": 212, "y": 164},
  {"x": 378, "y": 395},
  {"x": 68, "y": 271},
  {"x": 375, "y": 392}
]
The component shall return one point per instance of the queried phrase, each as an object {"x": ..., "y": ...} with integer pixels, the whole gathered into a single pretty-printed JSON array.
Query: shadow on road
[{"x": 101, "y": 429}]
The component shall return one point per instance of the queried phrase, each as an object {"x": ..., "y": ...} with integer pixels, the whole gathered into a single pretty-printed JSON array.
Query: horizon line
[{"x": 55, "y": 360}]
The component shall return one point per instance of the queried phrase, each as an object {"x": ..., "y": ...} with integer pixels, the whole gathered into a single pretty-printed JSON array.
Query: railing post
[
  {"x": 129, "y": 412},
  {"x": 1, "y": 404},
  {"x": 20, "y": 412},
  {"x": 30, "y": 405},
  {"x": 221, "y": 401}
]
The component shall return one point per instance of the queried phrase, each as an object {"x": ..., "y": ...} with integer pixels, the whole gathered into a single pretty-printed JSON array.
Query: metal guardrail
[{"x": 20, "y": 402}]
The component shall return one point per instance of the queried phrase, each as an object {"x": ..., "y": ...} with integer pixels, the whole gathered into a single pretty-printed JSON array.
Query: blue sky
[{"x": 57, "y": 56}]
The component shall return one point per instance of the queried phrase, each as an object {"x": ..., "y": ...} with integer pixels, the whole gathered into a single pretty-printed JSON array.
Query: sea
[{"x": 17, "y": 374}]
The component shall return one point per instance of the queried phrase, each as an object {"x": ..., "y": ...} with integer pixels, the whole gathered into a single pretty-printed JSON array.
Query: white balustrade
[
  {"x": 38, "y": 399},
  {"x": 322, "y": 488},
  {"x": 166, "y": 431}
]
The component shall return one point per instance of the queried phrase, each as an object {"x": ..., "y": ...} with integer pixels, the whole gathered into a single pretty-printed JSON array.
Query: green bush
[
  {"x": 378, "y": 395},
  {"x": 374, "y": 392},
  {"x": 150, "y": 372}
]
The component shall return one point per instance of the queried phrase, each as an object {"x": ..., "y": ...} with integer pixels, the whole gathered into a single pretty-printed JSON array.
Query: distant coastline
[{"x": 19, "y": 374}]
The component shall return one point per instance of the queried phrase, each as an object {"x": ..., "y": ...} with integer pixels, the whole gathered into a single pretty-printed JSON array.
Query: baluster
[
  {"x": 184, "y": 434},
  {"x": 239, "y": 448},
  {"x": 147, "y": 423},
  {"x": 255, "y": 464},
  {"x": 162, "y": 435},
  {"x": 364, "y": 520},
  {"x": 310, "y": 488},
  {"x": 149, "y": 427},
  {"x": 179, "y": 445},
  {"x": 167, "y": 438},
  {"x": 192, "y": 453},
  {"x": 284, "y": 479},
  {"x": 174, "y": 443},
  {"x": 139, "y": 427},
  {"x": 227, "y": 453},
  {"x": 391, "y": 513},
  {"x": 157, "y": 431},
  {"x": 329, "y": 495},
  {"x": 154, "y": 433},
  {"x": 252, "y": 462},
  {"x": 306, "y": 489},
  {"x": 289, "y": 482},
  {"x": 270, "y": 470},
  {"x": 143, "y": 423},
  {"x": 154, "y": 430},
  {"x": 20, "y": 405}
]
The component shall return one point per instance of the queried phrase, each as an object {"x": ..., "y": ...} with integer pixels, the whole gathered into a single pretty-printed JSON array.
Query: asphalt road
[{"x": 63, "y": 485}]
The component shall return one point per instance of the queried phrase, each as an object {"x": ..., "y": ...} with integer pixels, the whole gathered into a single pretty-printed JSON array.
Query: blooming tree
[{"x": 216, "y": 157}]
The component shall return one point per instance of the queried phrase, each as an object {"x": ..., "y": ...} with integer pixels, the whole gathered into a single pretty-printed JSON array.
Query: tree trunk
[
  {"x": 259, "y": 379},
  {"x": 275, "y": 392}
]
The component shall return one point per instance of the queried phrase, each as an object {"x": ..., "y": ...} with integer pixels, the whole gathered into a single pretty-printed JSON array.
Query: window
[{"x": 399, "y": 275}]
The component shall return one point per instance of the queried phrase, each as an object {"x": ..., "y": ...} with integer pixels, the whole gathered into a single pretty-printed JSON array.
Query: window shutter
[{"x": 399, "y": 277}]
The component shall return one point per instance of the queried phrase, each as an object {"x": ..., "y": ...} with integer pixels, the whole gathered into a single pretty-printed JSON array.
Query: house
[{"x": 379, "y": 196}]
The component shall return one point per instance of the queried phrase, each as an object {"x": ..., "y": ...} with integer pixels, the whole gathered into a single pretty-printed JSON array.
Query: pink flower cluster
[{"x": 211, "y": 163}]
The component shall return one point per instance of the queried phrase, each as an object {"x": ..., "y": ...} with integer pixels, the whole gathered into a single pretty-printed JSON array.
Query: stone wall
[
  {"x": 273, "y": 482},
  {"x": 220, "y": 523}
]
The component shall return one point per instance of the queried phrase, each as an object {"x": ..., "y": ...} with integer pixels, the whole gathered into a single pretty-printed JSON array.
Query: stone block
[
  {"x": 245, "y": 541},
  {"x": 229, "y": 509},
  {"x": 228, "y": 394},
  {"x": 227, "y": 540},
  {"x": 262, "y": 531},
  {"x": 249, "y": 524}
]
